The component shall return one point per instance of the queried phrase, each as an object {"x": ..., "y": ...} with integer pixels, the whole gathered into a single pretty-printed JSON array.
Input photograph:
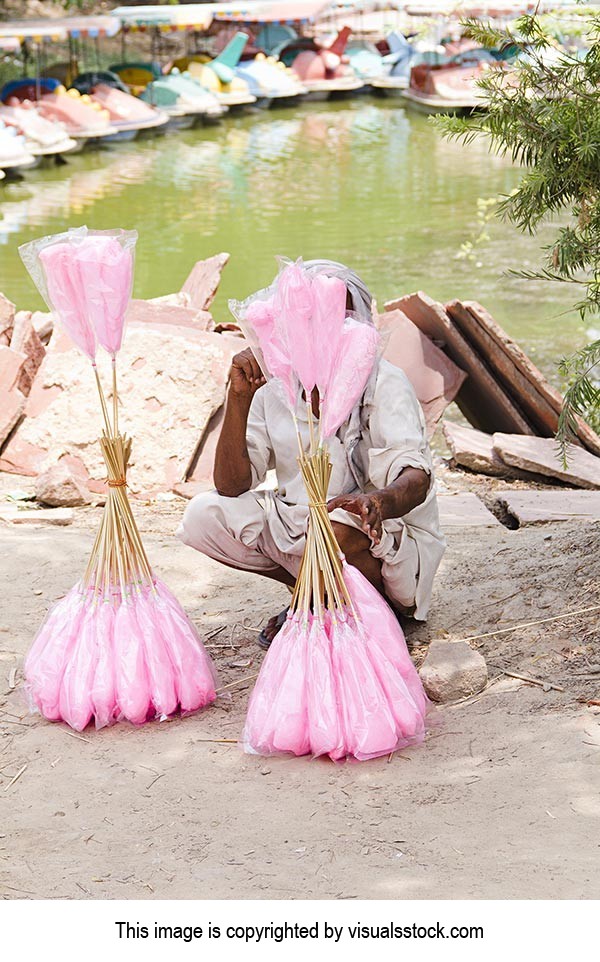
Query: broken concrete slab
[
  {"x": 483, "y": 401},
  {"x": 61, "y": 486},
  {"x": 11, "y": 365},
  {"x": 200, "y": 474},
  {"x": 435, "y": 378},
  {"x": 171, "y": 381},
  {"x": 542, "y": 507},
  {"x": 43, "y": 323},
  {"x": 27, "y": 341},
  {"x": 540, "y": 402},
  {"x": 475, "y": 450},
  {"x": 12, "y": 407},
  {"x": 453, "y": 670},
  {"x": 7, "y": 317},
  {"x": 203, "y": 281},
  {"x": 464, "y": 510},
  {"x": 541, "y": 456},
  {"x": 14, "y": 515},
  {"x": 157, "y": 312}
]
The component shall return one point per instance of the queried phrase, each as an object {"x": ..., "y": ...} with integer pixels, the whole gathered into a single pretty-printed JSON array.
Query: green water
[{"x": 364, "y": 182}]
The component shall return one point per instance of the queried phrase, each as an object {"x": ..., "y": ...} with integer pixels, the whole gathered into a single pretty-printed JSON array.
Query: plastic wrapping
[
  {"x": 346, "y": 687},
  {"x": 115, "y": 659},
  {"x": 86, "y": 278}
]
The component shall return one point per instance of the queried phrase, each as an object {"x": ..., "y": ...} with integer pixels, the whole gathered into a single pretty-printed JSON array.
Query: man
[{"x": 382, "y": 491}]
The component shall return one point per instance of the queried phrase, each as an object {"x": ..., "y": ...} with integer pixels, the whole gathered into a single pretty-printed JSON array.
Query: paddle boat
[
  {"x": 366, "y": 61},
  {"x": 324, "y": 71},
  {"x": 129, "y": 115},
  {"x": 14, "y": 156},
  {"x": 83, "y": 119},
  {"x": 176, "y": 94},
  {"x": 43, "y": 137},
  {"x": 448, "y": 88},
  {"x": 401, "y": 56},
  {"x": 221, "y": 75},
  {"x": 268, "y": 80}
]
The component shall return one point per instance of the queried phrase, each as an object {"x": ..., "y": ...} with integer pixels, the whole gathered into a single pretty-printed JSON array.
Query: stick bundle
[{"x": 118, "y": 559}]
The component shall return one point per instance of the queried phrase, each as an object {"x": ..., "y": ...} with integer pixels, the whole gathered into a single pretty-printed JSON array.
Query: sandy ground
[{"x": 503, "y": 800}]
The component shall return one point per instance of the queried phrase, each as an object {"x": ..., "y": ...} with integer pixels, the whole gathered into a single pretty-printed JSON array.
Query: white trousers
[{"x": 236, "y": 532}]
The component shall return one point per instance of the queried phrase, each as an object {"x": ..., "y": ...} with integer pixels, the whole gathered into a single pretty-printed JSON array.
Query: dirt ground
[{"x": 503, "y": 800}]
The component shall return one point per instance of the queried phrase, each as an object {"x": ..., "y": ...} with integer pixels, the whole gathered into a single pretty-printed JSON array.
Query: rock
[
  {"x": 12, "y": 406},
  {"x": 11, "y": 364},
  {"x": 178, "y": 299},
  {"x": 453, "y": 670},
  {"x": 171, "y": 381},
  {"x": 43, "y": 323},
  {"x": 483, "y": 401},
  {"x": 435, "y": 378},
  {"x": 26, "y": 340},
  {"x": 60, "y": 486},
  {"x": 7, "y": 318},
  {"x": 200, "y": 474},
  {"x": 475, "y": 450},
  {"x": 539, "y": 401},
  {"x": 15, "y": 515},
  {"x": 203, "y": 281},
  {"x": 540, "y": 507},
  {"x": 464, "y": 510},
  {"x": 541, "y": 456},
  {"x": 159, "y": 312}
]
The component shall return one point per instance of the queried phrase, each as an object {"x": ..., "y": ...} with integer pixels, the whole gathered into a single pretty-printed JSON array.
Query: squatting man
[{"x": 382, "y": 492}]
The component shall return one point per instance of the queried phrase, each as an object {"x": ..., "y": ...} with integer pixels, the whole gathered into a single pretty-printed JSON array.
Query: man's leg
[
  {"x": 229, "y": 531},
  {"x": 356, "y": 546}
]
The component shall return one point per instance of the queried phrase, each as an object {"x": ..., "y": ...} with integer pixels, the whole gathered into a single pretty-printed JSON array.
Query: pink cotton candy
[
  {"x": 387, "y": 647},
  {"x": 261, "y": 318},
  {"x": 103, "y": 690},
  {"x": 75, "y": 701},
  {"x": 131, "y": 675},
  {"x": 294, "y": 307},
  {"x": 160, "y": 673},
  {"x": 193, "y": 671},
  {"x": 106, "y": 271},
  {"x": 325, "y": 729},
  {"x": 66, "y": 294},
  {"x": 277, "y": 718},
  {"x": 46, "y": 661},
  {"x": 328, "y": 324},
  {"x": 356, "y": 357},
  {"x": 368, "y": 723}
]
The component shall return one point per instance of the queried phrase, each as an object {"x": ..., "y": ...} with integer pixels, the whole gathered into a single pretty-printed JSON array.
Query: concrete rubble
[
  {"x": 172, "y": 377},
  {"x": 453, "y": 670}
]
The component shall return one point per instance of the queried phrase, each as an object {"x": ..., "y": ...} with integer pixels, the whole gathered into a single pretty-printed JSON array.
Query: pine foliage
[{"x": 543, "y": 112}]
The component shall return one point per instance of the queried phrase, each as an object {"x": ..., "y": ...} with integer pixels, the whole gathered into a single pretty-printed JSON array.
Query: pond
[{"x": 365, "y": 182}]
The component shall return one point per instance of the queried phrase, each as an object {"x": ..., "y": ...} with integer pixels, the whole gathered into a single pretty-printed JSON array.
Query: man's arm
[
  {"x": 233, "y": 470},
  {"x": 394, "y": 501}
]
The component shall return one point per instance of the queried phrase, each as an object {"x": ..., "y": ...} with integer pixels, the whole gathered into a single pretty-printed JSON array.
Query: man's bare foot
[{"x": 271, "y": 628}]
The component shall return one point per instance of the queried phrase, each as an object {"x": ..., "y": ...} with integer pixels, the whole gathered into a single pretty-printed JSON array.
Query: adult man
[{"x": 382, "y": 491}]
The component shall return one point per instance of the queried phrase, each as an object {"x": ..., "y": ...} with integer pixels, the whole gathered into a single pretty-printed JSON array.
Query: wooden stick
[
  {"x": 531, "y": 681},
  {"x": 530, "y": 624}
]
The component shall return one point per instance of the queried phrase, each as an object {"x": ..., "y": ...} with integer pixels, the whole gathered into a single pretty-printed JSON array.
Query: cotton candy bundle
[
  {"x": 118, "y": 646},
  {"x": 338, "y": 679}
]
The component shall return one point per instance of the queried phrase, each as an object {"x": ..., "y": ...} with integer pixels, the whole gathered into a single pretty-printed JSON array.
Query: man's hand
[
  {"x": 245, "y": 376},
  {"x": 397, "y": 499},
  {"x": 368, "y": 507}
]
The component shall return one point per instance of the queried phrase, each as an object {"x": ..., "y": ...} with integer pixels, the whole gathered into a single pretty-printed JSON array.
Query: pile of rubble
[
  {"x": 172, "y": 371},
  {"x": 173, "y": 374},
  {"x": 458, "y": 352}
]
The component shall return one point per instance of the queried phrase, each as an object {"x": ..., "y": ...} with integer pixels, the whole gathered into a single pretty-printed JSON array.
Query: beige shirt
[{"x": 384, "y": 435}]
